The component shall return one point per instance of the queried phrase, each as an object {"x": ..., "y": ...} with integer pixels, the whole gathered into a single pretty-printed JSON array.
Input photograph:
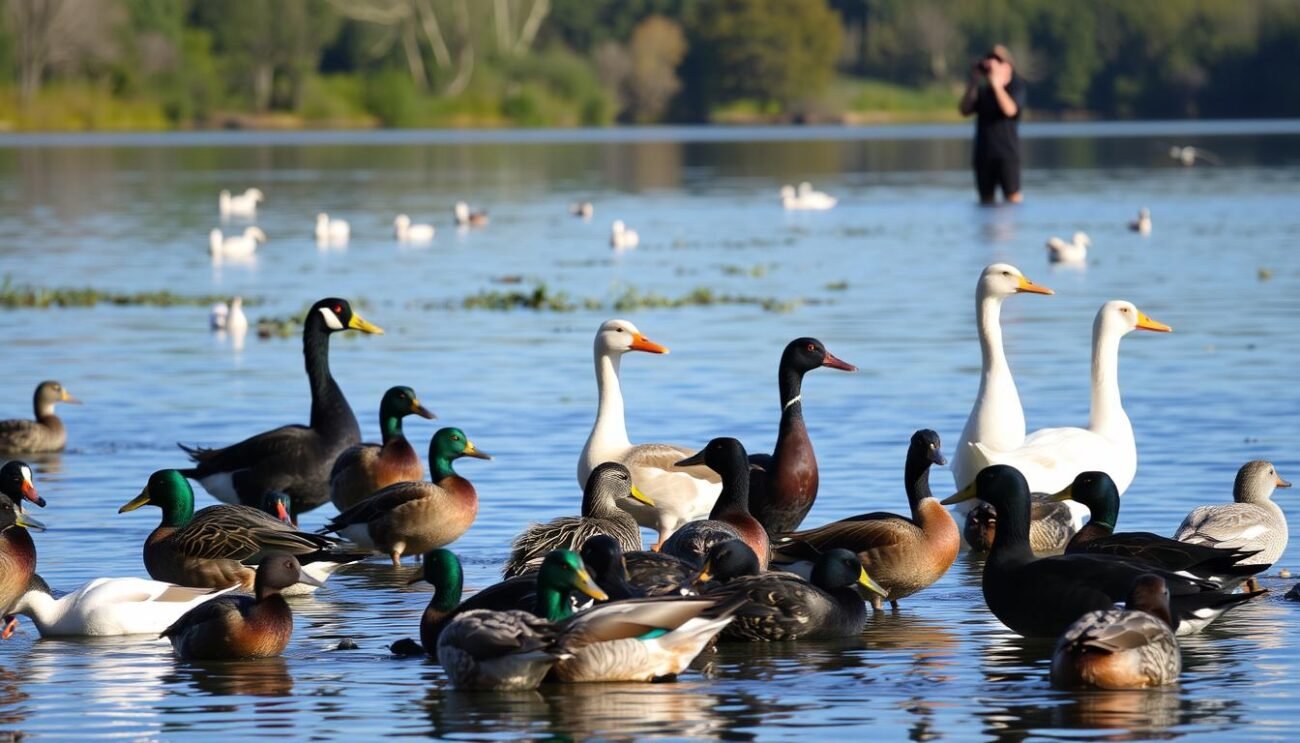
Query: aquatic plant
[{"x": 16, "y": 296}]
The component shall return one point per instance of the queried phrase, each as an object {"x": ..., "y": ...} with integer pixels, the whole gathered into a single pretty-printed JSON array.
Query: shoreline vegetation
[{"x": 186, "y": 65}]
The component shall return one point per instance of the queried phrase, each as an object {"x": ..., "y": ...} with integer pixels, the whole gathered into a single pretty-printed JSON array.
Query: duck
[
  {"x": 730, "y": 517},
  {"x": 1251, "y": 522},
  {"x": 781, "y": 606},
  {"x": 332, "y": 231},
  {"x": 363, "y": 469},
  {"x": 1050, "y": 457},
  {"x": 235, "y": 246},
  {"x": 600, "y": 515},
  {"x": 44, "y": 434},
  {"x": 1129, "y": 648},
  {"x": 1074, "y": 252},
  {"x": 1188, "y": 155},
  {"x": 412, "y": 233},
  {"x": 997, "y": 420},
  {"x": 1041, "y": 597},
  {"x": 679, "y": 494},
  {"x": 242, "y": 627},
  {"x": 219, "y": 546},
  {"x": 415, "y": 517},
  {"x": 107, "y": 607},
  {"x": 636, "y": 574},
  {"x": 241, "y": 205},
  {"x": 1225, "y": 567},
  {"x": 293, "y": 459},
  {"x": 903, "y": 554},
  {"x": 1141, "y": 225},
  {"x": 17, "y": 556},
  {"x": 622, "y": 238},
  {"x": 229, "y": 317},
  {"x": 276, "y": 504},
  {"x": 583, "y": 210},
  {"x": 1051, "y": 526},
  {"x": 465, "y": 217},
  {"x": 804, "y": 198},
  {"x": 17, "y": 484},
  {"x": 783, "y": 484}
]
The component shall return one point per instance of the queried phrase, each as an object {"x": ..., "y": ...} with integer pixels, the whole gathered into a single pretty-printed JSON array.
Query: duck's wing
[
  {"x": 20, "y": 435},
  {"x": 381, "y": 504},
  {"x": 692, "y": 541},
  {"x": 658, "y": 574},
  {"x": 1233, "y": 525},
  {"x": 862, "y": 533},
  {"x": 279, "y": 442},
  {"x": 218, "y": 610},
  {"x": 1124, "y": 630},
  {"x": 567, "y": 532},
  {"x": 244, "y": 533},
  {"x": 1171, "y": 554},
  {"x": 621, "y": 620},
  {"x": 493, "y": 634}
]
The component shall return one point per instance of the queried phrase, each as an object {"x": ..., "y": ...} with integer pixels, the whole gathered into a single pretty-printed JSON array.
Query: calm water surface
[{"x": 906, "y": 238}]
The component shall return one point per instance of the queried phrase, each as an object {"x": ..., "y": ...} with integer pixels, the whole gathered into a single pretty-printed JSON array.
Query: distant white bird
[
  {"x": 583, "y": 210},
  {"x": 1074, "y": 252},
  {"x": 412, "y": 233},
  {"x": 218, "y": 315},
  {"x": 237, "y": 322},
  {"x": 1141, "y": 225},
  {"x": 467, "y": 218},
  {"x": 621, "y": 238},
  {"x": 331, "y": 231},
  {"x": 235, "y": 246},
  {"x": 243, "y": 205},
  {"x": 1190, "y": 155},
  {"x": 805, "y": 198}
]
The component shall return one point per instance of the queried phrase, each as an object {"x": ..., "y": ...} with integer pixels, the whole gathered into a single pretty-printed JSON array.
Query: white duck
[
  {"x": 467, "y": 218},
  {"x": 412, "y": 233},
  {"x": 1141, "y": 225},
  {"x": 109, "y": 606},
  {"x": 583, "y": 210},
  {"x": 997, "y": 420},
  {"x": 1050, "y": 458},
  {"x": 243, "y": 205},
  {"x": 621, "y": 238},
  {"x": 805, "y": 198},
  {"x": 235, "y": 246},
  {"x": 1074, "y": 252},
  {"x": 679, "y": 494},
  {"x": 1252, "y": 522},
  {"x": 331, "y": 231}
]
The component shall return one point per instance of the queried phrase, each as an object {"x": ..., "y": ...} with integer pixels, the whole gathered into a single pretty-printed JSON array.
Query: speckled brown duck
[{"x": 363, "y": 469}]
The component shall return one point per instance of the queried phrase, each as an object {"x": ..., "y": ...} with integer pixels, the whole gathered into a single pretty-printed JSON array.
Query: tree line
[{"x": 196, "y": 63}]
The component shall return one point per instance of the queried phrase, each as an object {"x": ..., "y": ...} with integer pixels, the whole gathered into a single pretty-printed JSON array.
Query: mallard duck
[
  {"x": 637, "y": 574},
  {"x": 1098, "y": 492},
  {"x": 1042, "y": 597},
  {"x": 465, "y": 217},
  {"x": 1074, "y": 252},
  {"x": 411, "y": 518},
  {"x": 16, "y": 482},
  {"x": 1051, "y": 525},
  {"x": 239, "y": 246},
  {"x": 239, "y": 205},
  {"x": 783, "y": 485},
  {"x": 332, "y": 232},
  {"x": 292, "y": 459},
  {"x": 730, "y": 517},
  {"x": 219, "y": 546},
  {"x": 679, "y": 494},
  {"x": 44, "y": 434},
  {"x": 997, "y": 420},
  {"x": 1129, "y": 648},
  {"x": 17, "y": 556},
  {"x": 109, "y": 606},
  {"x": 903, "y": 555},
  {"x": 622, "y": 238},
  {"x": 276, "y": 504},
  {"x": 365, "y": 468},
  {"x": 1252, "y": 522},
  {"x": 242, "y": 627},
  {"x": 1141, "y": 225},
  {"x": 412, "y": 233},
  {"x": 489, "y": 650},
  {"x": 600, "y": 515},
  {"x": 783, "y": 606}
]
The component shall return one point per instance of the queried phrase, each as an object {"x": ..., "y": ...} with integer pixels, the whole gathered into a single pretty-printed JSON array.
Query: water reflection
[{"x": 265, "y": 677}]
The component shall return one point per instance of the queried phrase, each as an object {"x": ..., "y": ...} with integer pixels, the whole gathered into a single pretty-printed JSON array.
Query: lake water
[{"x": 886, "y": 281}]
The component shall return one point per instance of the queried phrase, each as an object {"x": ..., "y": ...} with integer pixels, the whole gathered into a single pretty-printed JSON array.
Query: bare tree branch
[
  {"x": 432, "y": 32},
  {"x": 536, "y": 14}
]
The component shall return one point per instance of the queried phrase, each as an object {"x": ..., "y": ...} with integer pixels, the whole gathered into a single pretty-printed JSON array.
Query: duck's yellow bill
[
  {"x": 1067, "y": 494},
  {"x": 473, "y": 451},
  {"x": 140, "y": 500},
  {"x": 706, "y": 573},
  {"x": 588, "y": 586},
  {"x": 1146, "y": 323},
  {"x": 638, "y": 495},
  {"x": 866, "y": 582},
  {"x": 360, "y": 323},
  {"x": 1026, "y": 285},
  {"x": 964, "y": 494}
]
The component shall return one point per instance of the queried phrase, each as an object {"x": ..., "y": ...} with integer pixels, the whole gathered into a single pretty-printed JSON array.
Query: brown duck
[
  {"x": 44, "y": 434},
  {"x": 730, "y": 517},
  {"x": 17, "y": 555},
  {"x": 365, "y": 468}
]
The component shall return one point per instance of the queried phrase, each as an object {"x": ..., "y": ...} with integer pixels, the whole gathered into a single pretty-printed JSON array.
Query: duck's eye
[
  {"x": 338, "y": 309},
  {"x": 1007, "y": 274},
  {"x": 811, "y": 347},
  {"x": 619, "y": 330},
  {"x": 455, "y": 438}
]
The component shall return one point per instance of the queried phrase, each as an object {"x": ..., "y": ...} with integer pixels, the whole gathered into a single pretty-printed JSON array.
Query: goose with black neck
[{"x": 730, "y": 517}]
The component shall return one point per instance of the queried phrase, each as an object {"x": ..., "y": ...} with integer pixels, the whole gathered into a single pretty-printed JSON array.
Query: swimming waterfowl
[
  {"x": 17, "y": 556},
  {"x": 1049, "y": 458},
  {"x": 293, "y": 459},
  {"x": 276, "y": 504},
  {"x": 636, "y": 574},
  {"x": 412, "y": 233},
  {"x": 679, "y": 494},
  {"x": 239, "y": 205},
  {"x": 235, "y": 246},
  {"x": 465, "y": 217},
  {"x": 583, "y": 210},
  {"x": 805, "y": 198},
  {"x": 1141, "y": 225},
  {"x": 730, "y": 517},
  {"x": 783, "y": 606},
  {"x": 622, "y": 238},
  {"x": 332, "y": 231},
  {"x": 411, "y": 518},
  {"x": 1051, "y": 525},
  {"x": 220, "y": 545},
  {"x": 1252, "y": 522},
  {"x": 16, "y": 483},
  {"x": 109, "y": 606},
  {"x": 783, "y": 485},
  {"x": 1129, "y": 648},
  {"x": 1189, "y": 155},
  {"x": 903, "y": 555},
  {"x": 363, "y": 469},
  {"x": 242, "y": 627},
  {"x": 1074, "y": 252},
  {"x": 600, "y": 515},
  {"x": 44, "y": 434},
  {"x": 997, "y": 420},
  {"x": 1098, "y": 492},
  {"x": 1042, "y": 597}
]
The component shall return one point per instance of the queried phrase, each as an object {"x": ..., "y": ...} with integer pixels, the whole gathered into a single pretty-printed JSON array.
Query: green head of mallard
[
  {"x": 840, "y": 568},
  {"x": 169, "y": 491},
  {"x": 16, "y": 482},
  {"x": 448, "y": 445},
  {"x": 337, "y": 314},
  {"x": 563, "y": 574},
  {"x": 1096, "y": 491},
  {"x": 397, "y": 403},
  {"x": 442, "y": 570}
]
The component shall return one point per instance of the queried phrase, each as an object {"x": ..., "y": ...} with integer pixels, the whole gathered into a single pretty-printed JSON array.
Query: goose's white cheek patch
[{"x": 331, "y": 319}]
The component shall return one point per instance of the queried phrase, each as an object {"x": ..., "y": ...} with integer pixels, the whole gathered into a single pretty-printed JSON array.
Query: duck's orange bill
[
  {"x": 10, "y": 626},
  {"x": 642, "y": 343},
  {"x": 1028, "y": 286},
  {"x": 1146, "y": 323}
]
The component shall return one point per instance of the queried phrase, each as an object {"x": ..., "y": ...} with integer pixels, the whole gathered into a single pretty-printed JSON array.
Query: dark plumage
[
  {"x": 16, "y": 482},
  {"x": 783, "y": 485},
  {"x": 730, "y": 517},
  {"x": 44, "y": 434},
  {"x": 363, "y": 469},
  {"x": 293, "y": 459},
  {"x": 638, "y": 574}
]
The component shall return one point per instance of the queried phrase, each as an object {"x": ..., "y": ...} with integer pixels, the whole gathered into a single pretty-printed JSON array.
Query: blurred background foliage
[{"x": 156, "y": 64}]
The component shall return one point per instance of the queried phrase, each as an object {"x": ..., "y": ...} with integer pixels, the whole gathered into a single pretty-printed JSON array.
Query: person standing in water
[{"x": 997, "y": 105}]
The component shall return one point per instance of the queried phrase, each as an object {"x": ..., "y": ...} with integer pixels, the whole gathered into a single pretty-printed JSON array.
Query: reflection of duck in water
[{"x": 264, "y": 677}]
